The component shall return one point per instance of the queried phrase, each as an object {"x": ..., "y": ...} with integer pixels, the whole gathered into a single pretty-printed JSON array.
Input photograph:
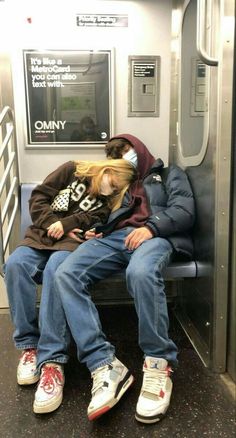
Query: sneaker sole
[
  {"x": 27, "y": 380},
  {"x": 128, "y": 380},
  {"x": 149, "y": 420},
  {"x": 50, "y": 407}
]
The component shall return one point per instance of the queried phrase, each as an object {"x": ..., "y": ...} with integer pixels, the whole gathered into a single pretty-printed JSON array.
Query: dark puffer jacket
[{"x": 165, "y": 198}]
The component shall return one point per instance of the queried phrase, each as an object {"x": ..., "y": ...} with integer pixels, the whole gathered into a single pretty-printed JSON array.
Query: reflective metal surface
[{"x": 203, "y": 304}]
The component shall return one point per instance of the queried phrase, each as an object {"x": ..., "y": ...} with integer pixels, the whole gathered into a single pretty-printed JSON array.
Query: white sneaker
[
  {"x": 27, "y": 367},
  {"x": 48, "y": 396},
  {"x": 156, "y": 390},
  {"x": 109, "y": 384}
]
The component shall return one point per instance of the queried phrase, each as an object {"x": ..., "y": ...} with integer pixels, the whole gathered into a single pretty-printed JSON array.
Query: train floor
[{"x": 200, "y": 405}]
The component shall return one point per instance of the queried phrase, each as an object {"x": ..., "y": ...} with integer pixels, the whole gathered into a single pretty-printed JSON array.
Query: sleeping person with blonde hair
[{"x": 68, "y": 203}]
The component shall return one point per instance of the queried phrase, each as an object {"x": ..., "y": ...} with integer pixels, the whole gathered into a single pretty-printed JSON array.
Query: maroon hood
[{"x": 145, "y": 158}]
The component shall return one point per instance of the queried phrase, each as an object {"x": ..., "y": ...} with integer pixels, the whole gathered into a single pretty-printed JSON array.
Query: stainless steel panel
[
  {"x": 231, "y": 350},
  {"x": 144, "y": 86},
  {"x": 203, "y": 303},
  {"x": 9, "y": 189}
]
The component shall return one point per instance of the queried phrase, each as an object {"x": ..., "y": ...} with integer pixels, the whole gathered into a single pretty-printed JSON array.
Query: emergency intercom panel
[
  {"x": 198, "y": 89},
  {"x": 144, "y": 86}
]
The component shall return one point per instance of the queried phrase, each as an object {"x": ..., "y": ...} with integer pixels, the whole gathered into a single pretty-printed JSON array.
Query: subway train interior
[{"x": 72, "y": 75}]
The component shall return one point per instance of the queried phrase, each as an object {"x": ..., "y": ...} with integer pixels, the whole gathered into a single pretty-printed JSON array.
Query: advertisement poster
[{"x": 67, "y": 97}]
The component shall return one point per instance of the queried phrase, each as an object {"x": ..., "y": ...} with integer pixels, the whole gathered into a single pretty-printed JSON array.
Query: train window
[
  {"x": 68, "y": 97},
  {"x": 193, "y": 104}
]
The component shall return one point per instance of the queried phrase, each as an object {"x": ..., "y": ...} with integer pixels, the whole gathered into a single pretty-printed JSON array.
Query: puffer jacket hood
[{"x": 145, "y": 158}]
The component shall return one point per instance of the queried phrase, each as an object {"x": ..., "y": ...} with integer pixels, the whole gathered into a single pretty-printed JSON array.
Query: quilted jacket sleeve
[{"x": 179, "y": 213}]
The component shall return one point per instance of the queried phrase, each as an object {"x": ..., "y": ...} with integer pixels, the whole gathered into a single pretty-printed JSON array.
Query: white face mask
[
  {"x": 105, "y": 187},
  {"x": 131, "y": 156}
]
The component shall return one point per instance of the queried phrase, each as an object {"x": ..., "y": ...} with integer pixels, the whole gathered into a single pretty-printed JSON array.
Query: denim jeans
[
  {"x": 48, "y": 332},
  {"x": 100, "y": 258}
]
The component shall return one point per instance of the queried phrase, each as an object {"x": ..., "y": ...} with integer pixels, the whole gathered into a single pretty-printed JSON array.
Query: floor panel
[{"x": 200, "y": 405}]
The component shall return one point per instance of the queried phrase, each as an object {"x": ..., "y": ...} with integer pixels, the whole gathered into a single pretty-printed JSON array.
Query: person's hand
[
  {"x": 137, "y": 236},
  {"x": 90, "y": 234},
  {"x": 76, "y": 234},
  {"x": 56, "y": 230}
]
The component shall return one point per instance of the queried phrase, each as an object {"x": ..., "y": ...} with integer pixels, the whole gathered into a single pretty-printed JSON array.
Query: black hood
[{"x": 145, "y": 158}]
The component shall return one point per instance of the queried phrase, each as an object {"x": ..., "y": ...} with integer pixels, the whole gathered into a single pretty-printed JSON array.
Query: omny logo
[{"x": 50, "y": 126}]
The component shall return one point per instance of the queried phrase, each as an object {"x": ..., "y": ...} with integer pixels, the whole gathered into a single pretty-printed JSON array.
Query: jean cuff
[
  {"x": 58, "y": 362},
  {"x": 102, "y": 363},
  {"x": 26, "y": 347}
]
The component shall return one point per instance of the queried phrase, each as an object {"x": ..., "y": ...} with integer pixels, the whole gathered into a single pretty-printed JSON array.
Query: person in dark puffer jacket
[{"x": 151, "y": 228}]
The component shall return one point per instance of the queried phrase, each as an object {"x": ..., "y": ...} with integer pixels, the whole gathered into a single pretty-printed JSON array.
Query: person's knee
[
  {"x": 72, "y": 276},
  {"x": 139, "y": 273},
  {"x": 53, "y": 263},
  {"x": 62, "y": 273},
  {"x": 13, "y": 264},
  {"x": 62, "y": 269},
  {"x": 136, "y": 273}
]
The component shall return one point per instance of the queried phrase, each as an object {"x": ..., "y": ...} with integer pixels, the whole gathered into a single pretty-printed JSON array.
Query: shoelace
[
  {"x": 51, "y": 376},
  {"x": 28, "y": 356},
  {"x": 99, "y": 378},
  {"x": 154, "y": 380}
]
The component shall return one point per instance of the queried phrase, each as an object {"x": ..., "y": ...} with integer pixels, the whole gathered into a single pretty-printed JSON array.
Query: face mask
[
  {"x": 131, "y": 156},
  {"x": 105, "y": 187}
]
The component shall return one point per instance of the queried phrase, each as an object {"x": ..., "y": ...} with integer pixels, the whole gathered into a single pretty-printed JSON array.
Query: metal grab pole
[{"x": 207, "y": 59}]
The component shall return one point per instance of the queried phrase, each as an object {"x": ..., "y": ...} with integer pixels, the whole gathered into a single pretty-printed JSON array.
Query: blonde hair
[{"x": 94, "y": 170}]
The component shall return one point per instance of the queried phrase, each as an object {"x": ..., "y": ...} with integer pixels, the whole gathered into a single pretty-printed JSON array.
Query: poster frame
[{"x": 29, "y": 144}]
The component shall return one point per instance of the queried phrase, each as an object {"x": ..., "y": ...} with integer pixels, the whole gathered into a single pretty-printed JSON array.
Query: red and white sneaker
[
  {"x": 156, "y": 390},
  {"x": 27, "y": 367},
  {"x": 49, "y": 394},
  {"x": 109, "y": 384}
]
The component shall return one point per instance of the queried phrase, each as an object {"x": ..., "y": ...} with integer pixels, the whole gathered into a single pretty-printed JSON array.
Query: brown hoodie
[{"x": 43, "y": 215}]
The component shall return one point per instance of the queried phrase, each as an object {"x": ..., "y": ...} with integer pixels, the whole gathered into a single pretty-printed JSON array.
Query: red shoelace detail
[
  {"x": 51, "y": 376},
  {"x": 29, "y": 355},
  {"x": 169, "y": 371}
]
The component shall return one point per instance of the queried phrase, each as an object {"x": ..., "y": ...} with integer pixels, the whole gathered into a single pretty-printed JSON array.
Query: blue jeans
[
  {"x": 49, "y": 333},
  {"x": 100, "y": 258}
]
